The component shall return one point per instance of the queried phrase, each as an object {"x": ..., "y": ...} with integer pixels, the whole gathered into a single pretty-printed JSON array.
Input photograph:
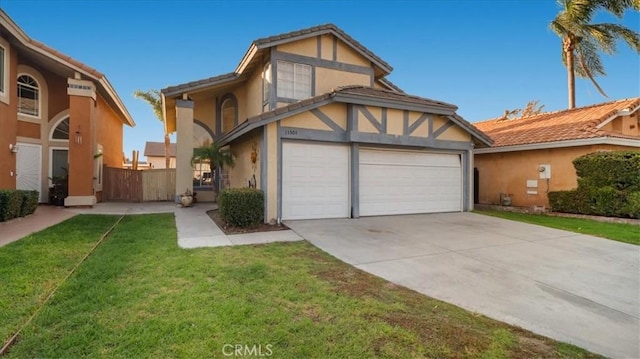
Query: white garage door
[
  {"x": 315, "y": 181},
  {"x": 28, "y": 167},
  {"x": 403, "y": 182}
]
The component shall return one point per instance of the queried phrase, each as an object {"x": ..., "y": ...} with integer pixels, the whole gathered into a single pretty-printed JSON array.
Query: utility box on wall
[{"x": 545, "y": 171}]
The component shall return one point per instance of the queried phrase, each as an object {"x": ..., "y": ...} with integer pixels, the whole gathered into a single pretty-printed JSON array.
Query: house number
[{"x": 291, "y": 132}]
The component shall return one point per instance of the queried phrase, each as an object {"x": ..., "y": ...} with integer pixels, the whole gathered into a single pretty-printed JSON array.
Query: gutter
[{"x": 560, "y": 144}]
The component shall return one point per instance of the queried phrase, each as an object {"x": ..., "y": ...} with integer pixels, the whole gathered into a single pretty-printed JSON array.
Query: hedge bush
[
  {"x": 620, "y": 170},
  {"x": 608, "y": 185},
  {"x": 241, "y": 207},
  {"x": 29, "y": 202},
  {"x": 17, "y": 203}
]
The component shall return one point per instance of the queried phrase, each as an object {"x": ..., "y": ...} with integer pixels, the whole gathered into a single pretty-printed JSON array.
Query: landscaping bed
[{"x": 229, "y": 229}]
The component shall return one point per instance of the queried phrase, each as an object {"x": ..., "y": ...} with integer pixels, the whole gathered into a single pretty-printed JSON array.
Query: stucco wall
[
  {"x": 253, "y": 102},
  {"x": 28, "y": 129},
  {"x": 627, "y": 125},
  {"x": 109, "y": 134},
  {"x": 204, "y": 110},
  {"x": 329, "y": 79},
  {"x": 244, "y": 169},
  {"x": 508, "y": 173},
  {"x": 8, "y": 121},
  {"x": 306, "y": 47}
]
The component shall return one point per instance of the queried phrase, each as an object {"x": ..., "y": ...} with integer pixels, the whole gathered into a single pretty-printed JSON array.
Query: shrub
[
  {"x": 620, "y": 170},
  {"x": 29, "y": 202},
  {"x": 632, "y": 207},
  {"x": 241, "y": 207},
  {"x": 10, "y": 204},
  {"x": 566, "y": 201}
]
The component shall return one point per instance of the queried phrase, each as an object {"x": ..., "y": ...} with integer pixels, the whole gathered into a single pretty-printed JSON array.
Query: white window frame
[
  {"x": 55, "y": 125},
  {"x": 296, "y": 92},
  {"x": 4, "y": 72},
  {"x": 38, "y": 90}
]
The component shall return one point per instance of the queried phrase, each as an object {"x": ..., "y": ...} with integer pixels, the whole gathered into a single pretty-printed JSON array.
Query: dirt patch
[{"x": 229, "y": 229}]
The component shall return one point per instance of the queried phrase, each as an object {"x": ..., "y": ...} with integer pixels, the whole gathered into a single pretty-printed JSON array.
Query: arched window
[
  {"x": 28, "y": 96},
  {"x": 61, "y": 131},
  {"x": 229, "y": 113},
  {"x": 202, "y": 176}
]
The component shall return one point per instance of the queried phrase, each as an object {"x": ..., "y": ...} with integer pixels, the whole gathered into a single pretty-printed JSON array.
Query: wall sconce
[
  {"x": 13, "y": 148},
  {"x": 78, "y": 136}
]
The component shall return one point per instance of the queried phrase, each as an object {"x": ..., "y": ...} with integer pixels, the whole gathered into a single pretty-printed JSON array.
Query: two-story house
[
  {"x": 315, "y": 124},
  {"x": 58, "y": 117}
]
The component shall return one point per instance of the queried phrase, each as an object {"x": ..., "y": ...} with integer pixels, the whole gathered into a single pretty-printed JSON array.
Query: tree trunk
[
  {"x": 568, "y": 48},
  {"x": 167, "y": 151}
]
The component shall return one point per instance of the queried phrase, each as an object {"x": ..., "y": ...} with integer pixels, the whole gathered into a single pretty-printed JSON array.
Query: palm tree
[
  {"x": 582, "y": 40},
  {"x": 215, "y": 155},
  {"x": 154, "y": 99}
]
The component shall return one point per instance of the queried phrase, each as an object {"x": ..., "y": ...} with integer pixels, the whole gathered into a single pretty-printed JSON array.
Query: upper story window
[
  {"x": 2, "y": 74},
  {"x": 266, "y": 84},
  {"x": 28, "y": 96},
  {"x": 229, "y": 113},
  {"x": 294, "y": 80}
]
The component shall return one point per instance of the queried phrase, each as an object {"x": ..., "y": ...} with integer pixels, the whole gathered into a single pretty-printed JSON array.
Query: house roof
[
  {"x": 156, "y": 149},
  {"x": 56, "y": 59},
  {"x": 358, "y": 95},
  {"x": 267, "y": 42},
  {"x": 574, "y": 124}
]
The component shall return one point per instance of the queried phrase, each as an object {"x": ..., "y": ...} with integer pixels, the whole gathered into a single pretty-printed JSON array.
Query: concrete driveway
[{"x": 575, "y": 288}]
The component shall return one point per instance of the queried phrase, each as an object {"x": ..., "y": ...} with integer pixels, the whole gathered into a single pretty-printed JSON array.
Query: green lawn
[
  {"x": 627, "y": 233},
  {"x": 139, "y": 295}
]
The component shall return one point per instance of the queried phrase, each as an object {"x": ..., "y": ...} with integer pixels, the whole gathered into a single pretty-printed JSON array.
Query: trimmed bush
[
  {"x": 29, "y": 202},
  {"x": 10, "y": 204},
  {"x": 620, "y": 170},
  {"x": 241, "y": 207},
  {"x": 608, "y": 185}
]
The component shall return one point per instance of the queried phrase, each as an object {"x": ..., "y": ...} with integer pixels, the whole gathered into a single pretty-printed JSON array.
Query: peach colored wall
[
  {"x": 349, "y": 56},
  {"x": 9, "y": 125},
  {"x": 329, "y": 79},
  {"x": 28, "y": 129},
  {"x": 253, "y": 103},
  {"x": 508, "y": 172},
  {"x": 395, "y": 122},
  {"x": 204, "y": 110},
  {"x": 109, "y": 135},
  {"x": 82, "y": 112},
  {"x": 305, "y": 47},
  {"x": 627, "y": 125},
  {"x": 455, "y": 133},
  {"x": 244, "y": 169},
  {"x": 327, "y": 46}
]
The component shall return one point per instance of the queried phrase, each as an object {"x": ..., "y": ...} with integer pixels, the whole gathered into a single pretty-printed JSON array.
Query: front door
[{"x": 29, "y": 168}]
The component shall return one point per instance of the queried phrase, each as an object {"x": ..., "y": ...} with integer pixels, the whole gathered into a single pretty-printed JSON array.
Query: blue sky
[{"x": 483, "y": 56}]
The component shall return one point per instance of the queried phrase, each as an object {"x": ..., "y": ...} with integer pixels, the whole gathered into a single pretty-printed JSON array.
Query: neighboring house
[
  {"x": 533, "y": 155},
  {"x": 141, "y": 165},
  {"x": 315, "y": 124},
  {"x": 56, "y": 114},
  {"x": 154, "y": 151}
]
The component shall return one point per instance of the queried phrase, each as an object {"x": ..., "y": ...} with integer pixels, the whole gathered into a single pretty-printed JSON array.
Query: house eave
[{"x": 560, "y": 144}]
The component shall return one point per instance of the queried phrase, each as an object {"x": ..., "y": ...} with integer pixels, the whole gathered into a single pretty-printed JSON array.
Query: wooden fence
[{"x": 138, "y": 186}]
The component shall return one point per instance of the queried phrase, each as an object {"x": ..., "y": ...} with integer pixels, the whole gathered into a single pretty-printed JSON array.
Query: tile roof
[
  {"x": 215, "y": 80},
  {"x": 392, "y": 95},
  {"x": 573, "y": 124},
  {"x": 156, "y": 149}
]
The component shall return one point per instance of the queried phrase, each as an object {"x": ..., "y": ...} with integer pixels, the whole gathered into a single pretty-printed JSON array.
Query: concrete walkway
[
  {"x": 575, "y": 288},
  {"x": 195, "y": 228}
]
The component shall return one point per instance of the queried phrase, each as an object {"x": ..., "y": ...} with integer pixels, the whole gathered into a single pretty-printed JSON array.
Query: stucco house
[
  {"x": 154, "y": 152},
  {"x": 316, "y": 125},
  {"x": 56, "y": 115},
  {"x": 533, "y": 155}
]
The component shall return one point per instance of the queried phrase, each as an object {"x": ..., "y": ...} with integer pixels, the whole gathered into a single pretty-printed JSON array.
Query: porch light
[
  {"x": 78, "y": 136},
  {"x": 13, "y": 148}
]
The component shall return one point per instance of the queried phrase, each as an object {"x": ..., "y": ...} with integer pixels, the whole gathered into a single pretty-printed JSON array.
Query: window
[
  {"x": 28, "y": 96},
  {"x": 61, "y": 131},
  {"x": 266, "y": 84},
  {"x": 2, "y": 69},
  {"x": 228, "y": 112},
  {"x": 294, "y": 80},
  {"x": 201, "y": 171}
]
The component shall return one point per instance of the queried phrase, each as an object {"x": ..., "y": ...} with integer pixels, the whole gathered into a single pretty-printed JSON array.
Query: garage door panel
[
  {"x": 315, "y": 181},
  {"x": 401, "y": 182}
]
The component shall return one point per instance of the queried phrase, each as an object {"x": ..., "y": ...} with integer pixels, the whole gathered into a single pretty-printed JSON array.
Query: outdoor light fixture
[
  {"x": 13, "y": 148},
  {"x": 78, "y": 136}
]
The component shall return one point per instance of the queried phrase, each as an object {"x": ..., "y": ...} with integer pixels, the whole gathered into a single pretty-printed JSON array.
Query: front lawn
[
  {"x": 139, "y": 295},
  {"x": 622, "y": 232}
]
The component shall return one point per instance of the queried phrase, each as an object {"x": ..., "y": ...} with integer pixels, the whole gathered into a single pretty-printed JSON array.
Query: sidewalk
[{"x": 195, "y": 228}]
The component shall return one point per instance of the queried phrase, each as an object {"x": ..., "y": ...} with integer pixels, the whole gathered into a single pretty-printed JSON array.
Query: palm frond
[
  {"x": 153, "y": 98},
  {"x": 588, "y": 60}
]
